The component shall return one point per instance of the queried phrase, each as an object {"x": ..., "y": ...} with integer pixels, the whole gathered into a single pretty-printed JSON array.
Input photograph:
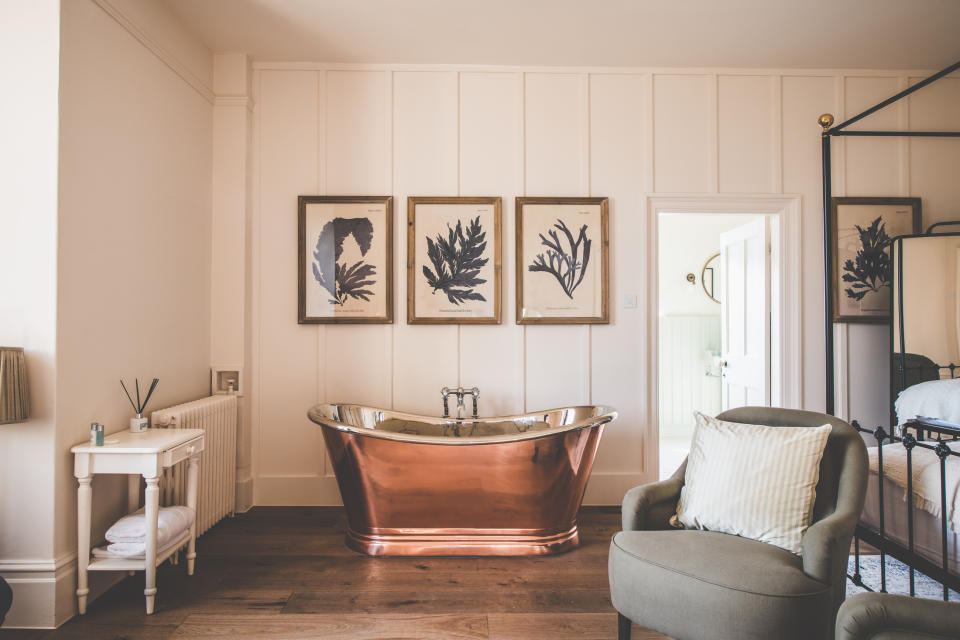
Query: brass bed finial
[{"x": 825, "y": 121}]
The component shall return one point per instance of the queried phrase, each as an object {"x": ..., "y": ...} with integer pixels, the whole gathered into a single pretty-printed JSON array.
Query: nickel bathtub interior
[{"x": 418, "y": 485}]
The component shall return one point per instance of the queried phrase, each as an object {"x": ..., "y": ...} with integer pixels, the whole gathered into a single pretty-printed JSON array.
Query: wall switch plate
[
  {"x": 226, "y": 379},
  {"x": 630, "y": 301}
]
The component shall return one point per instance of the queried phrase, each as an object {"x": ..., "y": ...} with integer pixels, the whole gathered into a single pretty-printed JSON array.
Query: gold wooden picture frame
[
  {"x": 562, "y": 261},
  {"x": 860, "y": 230},
  {"x": 453, "y": 260},
  {"x": 345, "y": 259}
]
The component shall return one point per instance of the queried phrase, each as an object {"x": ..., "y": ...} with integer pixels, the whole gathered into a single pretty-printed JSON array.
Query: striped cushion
[{"x": 752, "y": 480}]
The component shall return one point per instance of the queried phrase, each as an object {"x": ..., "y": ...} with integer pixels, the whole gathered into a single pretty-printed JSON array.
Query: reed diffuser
[{"x": 139, "y": 423}]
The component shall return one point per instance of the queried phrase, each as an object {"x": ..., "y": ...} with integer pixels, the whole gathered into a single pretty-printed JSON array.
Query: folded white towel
[
  {"x": 171, "y": 522},
  {"x": 138, "y": 549},
  {"x": 105, "y": 552}
]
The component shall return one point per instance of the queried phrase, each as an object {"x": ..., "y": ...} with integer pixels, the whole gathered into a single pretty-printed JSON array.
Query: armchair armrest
[
  {"x": 650, "y": 506},
  {"x": 866, "y": 615},
  {"x": 826, "y": 546}
]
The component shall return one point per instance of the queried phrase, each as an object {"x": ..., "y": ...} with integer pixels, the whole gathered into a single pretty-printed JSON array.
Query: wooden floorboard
[
  {"x": 560, "y": 626},
  {"x": 451, "y": 600},
  {"x": 347, "y": 626},
  {"x": 284, "y": 572}
]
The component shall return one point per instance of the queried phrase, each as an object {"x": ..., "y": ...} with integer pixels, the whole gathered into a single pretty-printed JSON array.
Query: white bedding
[
  {"x": 926, "y": 477},
  {"x": 938, "y": 399}
]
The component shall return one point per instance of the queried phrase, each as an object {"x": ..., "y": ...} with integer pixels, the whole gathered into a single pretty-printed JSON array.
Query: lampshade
[{"x": 14, "y": 397}]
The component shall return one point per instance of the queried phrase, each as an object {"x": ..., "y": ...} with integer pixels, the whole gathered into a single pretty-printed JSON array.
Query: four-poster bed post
[{"x": 826, "y": 122}]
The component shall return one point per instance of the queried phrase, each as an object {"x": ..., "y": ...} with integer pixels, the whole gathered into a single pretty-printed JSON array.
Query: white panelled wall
[{"x": 624, "y": 134}]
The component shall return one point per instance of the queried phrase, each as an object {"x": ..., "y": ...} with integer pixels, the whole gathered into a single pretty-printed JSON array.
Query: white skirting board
[
  {"x": 44, "y": 593},
  {"x": 607, "y": 489}
]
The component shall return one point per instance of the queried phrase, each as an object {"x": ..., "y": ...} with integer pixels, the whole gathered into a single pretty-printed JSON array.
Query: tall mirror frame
[{"x": 925, "y": 318}]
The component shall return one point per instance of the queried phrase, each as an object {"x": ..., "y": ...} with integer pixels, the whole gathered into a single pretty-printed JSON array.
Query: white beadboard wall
[
  {"x": 685, "y": 386},
  {"x": 620, "y": 133}
]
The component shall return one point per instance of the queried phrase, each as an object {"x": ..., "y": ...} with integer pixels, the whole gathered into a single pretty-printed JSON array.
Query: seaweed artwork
[
  {"x": 344, "y": 281},
  {"x": 870, "y": 270},
  {"x": 567, "y": 266},
  {"x": 457, "y": 260}
]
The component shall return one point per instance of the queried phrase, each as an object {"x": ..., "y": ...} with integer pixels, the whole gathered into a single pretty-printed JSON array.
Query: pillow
[{"x": 752, "y": 480}]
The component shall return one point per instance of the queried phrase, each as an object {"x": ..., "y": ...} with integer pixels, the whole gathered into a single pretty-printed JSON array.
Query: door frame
[{"x": 786, "y": 326}]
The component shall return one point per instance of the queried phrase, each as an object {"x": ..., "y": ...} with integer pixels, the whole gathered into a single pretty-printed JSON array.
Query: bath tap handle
[
  {"x": 475, "y": 393},
  {"x": 444, "y": 393}
]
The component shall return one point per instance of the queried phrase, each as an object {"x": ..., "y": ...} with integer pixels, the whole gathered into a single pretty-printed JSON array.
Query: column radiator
[{"x": 216, "y": 497}]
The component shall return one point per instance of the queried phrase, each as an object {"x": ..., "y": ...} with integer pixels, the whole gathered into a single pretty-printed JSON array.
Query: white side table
[{"x": 144, "y": 454}]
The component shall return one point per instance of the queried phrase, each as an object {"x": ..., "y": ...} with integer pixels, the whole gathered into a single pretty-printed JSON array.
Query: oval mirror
[{"x": 710, "y": 277}]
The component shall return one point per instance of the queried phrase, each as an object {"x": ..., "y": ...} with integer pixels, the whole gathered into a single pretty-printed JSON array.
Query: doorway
[{"x": 717, "y": 290}]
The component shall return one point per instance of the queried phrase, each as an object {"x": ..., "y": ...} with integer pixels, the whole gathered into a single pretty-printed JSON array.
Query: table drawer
[{"x": 182, "y": 452}]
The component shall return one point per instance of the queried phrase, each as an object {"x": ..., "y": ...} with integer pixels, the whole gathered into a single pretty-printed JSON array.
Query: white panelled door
[{"x": 745, "y": 312}]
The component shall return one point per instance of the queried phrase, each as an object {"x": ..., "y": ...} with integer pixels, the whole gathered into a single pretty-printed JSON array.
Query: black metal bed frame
[
  {"x": 829, "y": 131},
  {"x": 923, "y": 427}
]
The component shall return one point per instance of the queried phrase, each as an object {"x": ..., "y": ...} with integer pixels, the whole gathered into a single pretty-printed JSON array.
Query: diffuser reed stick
[
  {"x": 153, "y": 385},
  {"x": 128, "y": 394},
  {"x": 138, "y": 407}
]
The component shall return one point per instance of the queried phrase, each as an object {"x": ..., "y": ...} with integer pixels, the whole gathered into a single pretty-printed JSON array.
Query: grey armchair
[
  {"x": 703, "y": 584},
  {"x": 867, "y": 616}
]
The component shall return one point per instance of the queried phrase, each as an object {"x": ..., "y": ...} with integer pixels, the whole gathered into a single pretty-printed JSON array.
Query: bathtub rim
[{"x": 602, "y": 414}]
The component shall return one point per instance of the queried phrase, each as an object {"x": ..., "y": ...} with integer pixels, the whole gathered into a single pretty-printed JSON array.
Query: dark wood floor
[{"x": 283, "y": 572}]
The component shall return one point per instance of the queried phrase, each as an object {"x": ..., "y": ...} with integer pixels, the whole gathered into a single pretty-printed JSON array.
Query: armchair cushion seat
[{"x": 690, "y": 584}]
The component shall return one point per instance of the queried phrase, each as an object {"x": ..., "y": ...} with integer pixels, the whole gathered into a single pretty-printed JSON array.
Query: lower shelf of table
[{"x": 136, "y": 564}]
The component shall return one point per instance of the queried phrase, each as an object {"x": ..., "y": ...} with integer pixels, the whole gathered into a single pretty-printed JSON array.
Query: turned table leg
[
  {"x": 84, "y": 505},
  {"x": 193, "y": 476},
  {"x": 152, "y": 510},
  {"x": 133, "y": 498}
]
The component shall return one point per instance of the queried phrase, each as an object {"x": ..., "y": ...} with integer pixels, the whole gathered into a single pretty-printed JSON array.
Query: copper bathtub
[{"x": 421, "y": 486}]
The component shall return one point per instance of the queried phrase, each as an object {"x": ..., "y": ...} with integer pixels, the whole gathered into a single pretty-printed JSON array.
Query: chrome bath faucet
[{"x": 460, "y": 392}]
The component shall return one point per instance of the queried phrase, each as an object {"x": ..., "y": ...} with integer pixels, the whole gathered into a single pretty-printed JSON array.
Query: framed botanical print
[
  {"x": 345, "y": 266},
  {"x": 860, "y": 238},
  {"x": 562, "y": 261},
  {"x": 453, "y": 260}
]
